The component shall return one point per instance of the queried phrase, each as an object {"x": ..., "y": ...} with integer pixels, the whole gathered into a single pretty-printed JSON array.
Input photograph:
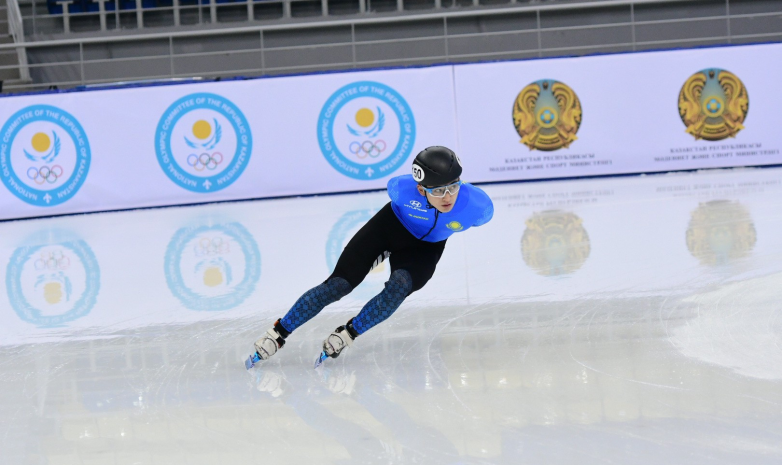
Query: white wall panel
[{"x": 554, "y": 118}]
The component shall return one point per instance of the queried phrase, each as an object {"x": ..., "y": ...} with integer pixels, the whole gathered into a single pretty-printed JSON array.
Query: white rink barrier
[
  {"x": 615, "y": 114},
  {"x": 193, "y": 143},
  {"x": 181, "y": 144}
]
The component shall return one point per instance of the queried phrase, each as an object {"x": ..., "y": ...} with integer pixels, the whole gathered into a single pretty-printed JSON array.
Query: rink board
[{"x": 343, "y": 132}]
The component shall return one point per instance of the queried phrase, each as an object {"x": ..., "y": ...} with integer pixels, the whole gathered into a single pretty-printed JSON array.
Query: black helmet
[{"x": 436, "y": 166}]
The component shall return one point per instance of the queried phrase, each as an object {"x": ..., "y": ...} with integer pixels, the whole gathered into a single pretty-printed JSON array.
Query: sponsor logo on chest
[{"x": 417, "y": 206}]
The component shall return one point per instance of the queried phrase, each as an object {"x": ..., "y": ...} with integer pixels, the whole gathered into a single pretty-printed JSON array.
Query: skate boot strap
[
  {"x": 277, "y": 337},
  {"x": 333, "y": 349},
  {"x": 346, "y": 336},
  {"x": 344, "y": 333},
  {"x": 281, "y": 329}
]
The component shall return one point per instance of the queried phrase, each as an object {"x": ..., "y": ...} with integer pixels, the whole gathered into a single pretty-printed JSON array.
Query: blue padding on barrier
[{"x": 79, "y": 6}]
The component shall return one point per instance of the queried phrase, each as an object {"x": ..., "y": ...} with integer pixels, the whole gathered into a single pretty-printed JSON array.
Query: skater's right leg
[
  {"x": 315, "y": 300},
  {"x": 397, "y": 288}
]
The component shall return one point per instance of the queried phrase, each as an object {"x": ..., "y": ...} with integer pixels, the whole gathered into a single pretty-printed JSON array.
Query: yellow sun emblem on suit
[{"x": 454, "y": 226}]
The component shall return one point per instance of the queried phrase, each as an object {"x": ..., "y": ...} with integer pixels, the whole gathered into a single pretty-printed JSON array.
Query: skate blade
[
  {"x": 323, "y": 356},
  {"x": 252, "y": 360}
]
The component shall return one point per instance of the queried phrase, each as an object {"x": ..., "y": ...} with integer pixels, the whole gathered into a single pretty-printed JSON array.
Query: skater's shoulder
[
  {"x": 399, "y": 185},
  {"x": 480, "y": 204},
  {"x": 401, "y": 180},
  {"x": 478, "y": 195}
]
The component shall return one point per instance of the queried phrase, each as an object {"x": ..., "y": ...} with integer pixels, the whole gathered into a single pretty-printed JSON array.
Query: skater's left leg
[
  {"x": 377, "y": 310},
  {"x": 411, "y": 269},
  {"x": 397, "y": 288}
]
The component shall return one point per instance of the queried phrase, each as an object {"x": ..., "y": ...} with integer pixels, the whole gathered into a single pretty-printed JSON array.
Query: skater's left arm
[{"x": 483, "y": 204}]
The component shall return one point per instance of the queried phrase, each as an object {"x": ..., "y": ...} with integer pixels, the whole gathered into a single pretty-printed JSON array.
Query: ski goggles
[{"x": 440, "y": 191}]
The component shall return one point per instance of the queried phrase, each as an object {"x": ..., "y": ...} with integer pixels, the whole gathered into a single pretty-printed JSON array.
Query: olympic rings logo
[
  {"x": 368, "y": 148},
  {"x": 214, "y": 246},
  {"x": 52, "y": 261},
  {"x": 45, "y": 174},
  {"x": 205, "y": 161}
]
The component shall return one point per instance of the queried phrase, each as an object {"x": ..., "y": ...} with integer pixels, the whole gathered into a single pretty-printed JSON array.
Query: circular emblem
[
  {"x": 212, "y": 267},
  {"x": 454, "y": 226},
  {"x": 203, "y": 142},
  {"x": 418, "y": 173},
  {"x": 44, "y": 155},
  {"x": 366, "y": 130},
  {"x": 341, "y": 233},
  {"x": 720, "y": 231},
  {"x": 713, "y": 104},
  {"x": 554, "y": 243},
  {"x": 50, "y": 283},
  {"x": 415, "y": 203},
  {"x": 547, "y": 115}
]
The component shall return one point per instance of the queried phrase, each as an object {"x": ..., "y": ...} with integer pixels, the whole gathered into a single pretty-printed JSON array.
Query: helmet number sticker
[{"x": 418, "y": 173}]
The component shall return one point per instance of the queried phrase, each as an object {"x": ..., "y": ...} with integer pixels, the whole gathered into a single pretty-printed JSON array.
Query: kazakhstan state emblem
[
  {"x": 547, "y": 115},
  {"x": 555, "y": 243},
  {"x": 713, "y": 104}
]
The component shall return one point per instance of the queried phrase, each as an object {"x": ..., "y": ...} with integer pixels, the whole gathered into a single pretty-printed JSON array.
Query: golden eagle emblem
[
  {"x": 547, "y": 115},
  {"x": 713, "y": 104}
]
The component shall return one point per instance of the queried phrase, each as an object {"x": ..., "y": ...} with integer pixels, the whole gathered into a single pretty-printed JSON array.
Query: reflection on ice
[
  {"x": 554, "y": 243},
  {"x": 52, "y": 279},
  {"x": 637, "y": 354},
  {"x": 212, "y": 267},
  {"x": 720, "y": 231}
]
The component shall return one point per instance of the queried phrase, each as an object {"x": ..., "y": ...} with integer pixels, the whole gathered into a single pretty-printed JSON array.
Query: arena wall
[{"x": 112, "y": 149}]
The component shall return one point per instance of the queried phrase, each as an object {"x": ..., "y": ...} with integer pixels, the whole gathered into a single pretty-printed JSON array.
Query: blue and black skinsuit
[{"x": 408, "y": 230}]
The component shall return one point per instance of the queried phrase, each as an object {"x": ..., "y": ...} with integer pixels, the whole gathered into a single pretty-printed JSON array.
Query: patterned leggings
[
  {"x": 375, "y": 311},
  {"x": 413, "y": 262}
]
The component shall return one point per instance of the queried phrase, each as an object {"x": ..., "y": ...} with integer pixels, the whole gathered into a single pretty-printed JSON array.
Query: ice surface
[{"x": 613, "y": 321}]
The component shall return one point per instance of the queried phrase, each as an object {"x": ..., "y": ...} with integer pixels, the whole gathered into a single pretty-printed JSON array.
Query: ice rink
[{"x": 632, "y": 320}]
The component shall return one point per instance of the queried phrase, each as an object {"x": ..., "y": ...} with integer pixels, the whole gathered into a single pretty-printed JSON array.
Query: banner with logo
[
  {"x": 195, "y": 143},
  {"x": 342, "y": 132},
  {"x": 626, "y": 113}
]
